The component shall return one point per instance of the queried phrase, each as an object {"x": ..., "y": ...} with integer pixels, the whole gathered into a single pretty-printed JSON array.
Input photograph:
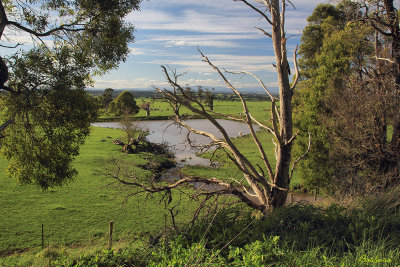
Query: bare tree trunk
[
  {"x": 282, "y": 172},
  {"x": 261, "y": 188}
]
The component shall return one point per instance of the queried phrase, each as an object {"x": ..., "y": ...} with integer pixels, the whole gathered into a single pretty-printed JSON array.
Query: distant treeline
[{"x": 224, "y": 96}]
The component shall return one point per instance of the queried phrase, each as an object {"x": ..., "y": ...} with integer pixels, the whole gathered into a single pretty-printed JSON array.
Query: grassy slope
[{"x": 79, "y": 211}]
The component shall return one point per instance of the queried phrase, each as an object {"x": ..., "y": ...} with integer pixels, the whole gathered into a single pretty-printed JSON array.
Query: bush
[
  {"x": 299, "y": 227},
  {"x": 124, "y": 103}
]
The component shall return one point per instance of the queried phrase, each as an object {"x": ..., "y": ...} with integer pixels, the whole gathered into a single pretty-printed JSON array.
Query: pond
[{"x": 164, "y": 131}]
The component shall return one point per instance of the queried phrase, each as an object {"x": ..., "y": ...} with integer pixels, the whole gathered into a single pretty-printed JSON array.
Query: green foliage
[
  {"x": 323, "y": 21},
  {"x": 106, "y": 98},
  {"x": 126, "y": 257},
  {"x": 315, "y": 169},
  {"x": 124, "y": 104},
  {"x": 176, "y": 254},
  {"x": 298, "y": 235},
  {"x": 258, "y": 253},
  {"x": 299, "y": 227},
  {"x": 52, "y": 115},
  {"x": 97, "y": 29},
  {"x": 45, "y": 99},
  {"x": 331, "y": 48}
]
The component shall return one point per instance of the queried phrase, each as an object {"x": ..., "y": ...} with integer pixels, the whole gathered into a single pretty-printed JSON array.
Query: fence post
[
  {"x": 315, "y": 195},
  {"x": 42, "y": 236},
  {"x": 291, "y": 198},
  {"x": 110, "y": 232}
]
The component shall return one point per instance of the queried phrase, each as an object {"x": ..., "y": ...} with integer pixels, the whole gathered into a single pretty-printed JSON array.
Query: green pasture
[
  {"x": 226, "y": 170},
  {"x": 261, "y": 110},
  {"x": 80, "y": 211}
]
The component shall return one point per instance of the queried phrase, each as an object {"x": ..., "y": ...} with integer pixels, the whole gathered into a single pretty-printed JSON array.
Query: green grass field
[
  {"x": 81, "y": 210},
  {"x": 228, "y": 171},
  {"x": 76, "y": 218},
  {"x": 260, "y": 110}
]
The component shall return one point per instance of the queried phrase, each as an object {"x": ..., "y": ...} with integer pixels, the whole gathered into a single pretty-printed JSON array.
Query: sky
[{"x": 169, "y": 32}]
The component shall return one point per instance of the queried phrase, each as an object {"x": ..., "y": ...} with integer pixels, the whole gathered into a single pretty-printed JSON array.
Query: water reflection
[{"x": 175, "y": 137}]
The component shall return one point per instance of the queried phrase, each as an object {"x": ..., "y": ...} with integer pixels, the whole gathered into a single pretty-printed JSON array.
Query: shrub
[{"x": 124, "y": 103}]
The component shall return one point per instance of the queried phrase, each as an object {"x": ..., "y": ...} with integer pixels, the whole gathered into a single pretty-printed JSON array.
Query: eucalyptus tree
[
  {"x": 262, "y": 187},
  {"x": 106, "y": 98},
  {"x": 348, "y": 98},
  {"x": 318, "y": 66},
  {"x": 125, "y": 103},
  {"x": 45, "y": 111},
  {"x": 384, "y": 17}
]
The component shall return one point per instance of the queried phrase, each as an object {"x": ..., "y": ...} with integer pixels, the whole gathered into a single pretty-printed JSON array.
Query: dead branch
[
  {"x": 264, "y": 32},
  {"x": 259, "y": 11},
  {"x": 297, "y": 75}
]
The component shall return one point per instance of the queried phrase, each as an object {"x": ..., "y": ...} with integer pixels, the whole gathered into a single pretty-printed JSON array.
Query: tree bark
[
  {"x": 282, "y": 172},
  {"x": 395, "y": 34},
  {"x": 3, "y": 19}
]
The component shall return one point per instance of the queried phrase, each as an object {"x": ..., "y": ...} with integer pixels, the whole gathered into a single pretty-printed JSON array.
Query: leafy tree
[
  {"x": 210, "y": 99},
  {"x": 317, "y": 69},
  {"x": 346, "y": 103},
  {"x": 44, "y": 107},
  {"x": 124, "y": 103},
  {"x": 200, "y": 93},
  {"x": 52, "y": 116},
  {"x": 107, "y": 97}
]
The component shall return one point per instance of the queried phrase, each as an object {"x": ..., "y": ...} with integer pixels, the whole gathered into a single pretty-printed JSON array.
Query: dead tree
[
  {"x": 262, "y": 187},
  {"x": 270, "y": 189},
  {"x": 145, "y": 105},
  {"x": 384, "y": 18}
]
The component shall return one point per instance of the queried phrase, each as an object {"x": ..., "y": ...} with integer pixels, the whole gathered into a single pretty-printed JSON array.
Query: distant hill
[{"x": 149, "y": 92}]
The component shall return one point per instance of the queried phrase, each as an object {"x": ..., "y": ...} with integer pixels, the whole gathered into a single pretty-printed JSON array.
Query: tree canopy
[
  {"x": 124, "y": 103},
  {"x": 44, "y": 107},
  {"x": 347, "y": 99},
  {"x": 106, "y": 98}
]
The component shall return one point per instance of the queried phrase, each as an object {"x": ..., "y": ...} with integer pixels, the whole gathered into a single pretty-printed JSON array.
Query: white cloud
[
  {"x": 202, "y": 40},
  {"x": 230, "y": 62},
  {"x": 136, "y": 51},
  {"x": 206, "y": 21},
  {"x": 200, "y": 43},
  {"x": 206, "y": 73},
  {"x": 210, "y": 16},
  {"x": 134, "y": 83},
  {"x": 223, "y": 5}
]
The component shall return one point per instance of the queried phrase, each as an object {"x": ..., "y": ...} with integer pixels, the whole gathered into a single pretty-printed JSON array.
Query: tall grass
[{"x": 298, "y": 235}]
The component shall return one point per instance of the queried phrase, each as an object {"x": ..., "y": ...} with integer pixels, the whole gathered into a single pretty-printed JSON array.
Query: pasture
[
  {"x": 80, "y": 211},
  {"x": 261, "y": 110}
]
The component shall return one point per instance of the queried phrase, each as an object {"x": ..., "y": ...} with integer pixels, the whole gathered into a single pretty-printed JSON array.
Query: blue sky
[{"x": 169, "y": 32}]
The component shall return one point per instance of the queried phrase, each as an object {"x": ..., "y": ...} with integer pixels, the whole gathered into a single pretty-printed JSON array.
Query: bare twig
[{"x": 297, "y": 71}]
